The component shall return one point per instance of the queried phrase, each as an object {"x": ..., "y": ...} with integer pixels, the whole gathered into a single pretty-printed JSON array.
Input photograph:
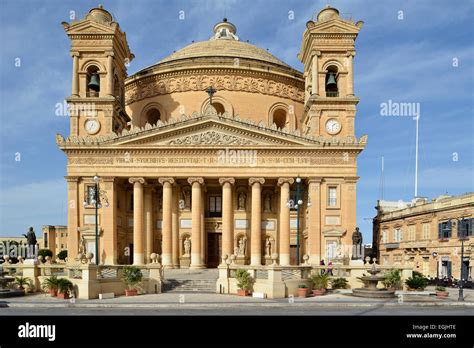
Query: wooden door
[{"x": 214, "y": 249}]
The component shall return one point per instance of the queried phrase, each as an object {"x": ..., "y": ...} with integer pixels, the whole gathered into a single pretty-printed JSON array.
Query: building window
[
  {"x": 331, "y": 82},
  {"x": 62, "y": 235},
  {"x": 412, "y": 232},
  {"x": 445, "y": 230},
  {"x": 62, "y": 246},
  {"x": 384, "y": 236},
  {"x": 219, "y": 107},
  {"x": 153, "y": 116},
  {"x": 90, "y": 192},
  {"x": 46, "y": 241},
  {"x": 215, "y": 206},
  {"x": 426, "y": 231},
  {"x": 465, "y": 228},
  {"x": 280, "y": 118},
  {"x": 332, "y": 196},
  {"x": 397, "y": 235}
]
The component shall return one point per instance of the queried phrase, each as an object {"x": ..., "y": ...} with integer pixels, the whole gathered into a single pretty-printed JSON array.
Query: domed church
[{"x": 219, "y": 151}]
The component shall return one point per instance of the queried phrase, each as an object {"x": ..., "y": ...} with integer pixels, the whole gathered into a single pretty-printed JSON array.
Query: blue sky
[{"x": 408, "y": 60}]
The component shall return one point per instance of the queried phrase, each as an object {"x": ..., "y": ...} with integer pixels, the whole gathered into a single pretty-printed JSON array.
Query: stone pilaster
[
  {"x": 175, "y": 229},
  {"x": 284, "y": 219},
  {"x": 108, "y": 222},
  {"x": 138, "y": 255},
  {"x": 227, "y": 216},
  {"x": 314, "y": 221},
  {"x": 167, "y": 223},
  {"x": 72, "y": 216},
  {"x": 148, "y": 223},
  {"x": 196, "y": 200},
  {"x": 256, "y": 221}
]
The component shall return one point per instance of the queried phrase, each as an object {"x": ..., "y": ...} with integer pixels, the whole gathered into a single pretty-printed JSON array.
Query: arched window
[
  {"x": 331, "y": 82},
  {"x": 152, "y": 116},
  {"x": 280, "y": 118},
  {"x": 219, "y": 107},
  {"x": 93, "y": 81}
]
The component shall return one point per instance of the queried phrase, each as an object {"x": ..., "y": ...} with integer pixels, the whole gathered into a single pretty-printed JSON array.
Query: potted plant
[
  {"x": 244, "y": 282},
  {"x": 416, "y": 283},
  {"x": 65, "y": 287},
  {"x": 302, "y": 290},
  {"x": 320, "y": 282},
  {"x": 393, "y": 279},
  {"x": 132, "y": 276},
  {"x": 339, "y": 283},
  {"x": 51, "y": 284},
  {"x": 441, "y": 292},
  {"x": 23, "y": 283}
]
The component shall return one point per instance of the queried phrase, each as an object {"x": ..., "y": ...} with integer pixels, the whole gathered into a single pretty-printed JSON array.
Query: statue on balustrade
[
  {"x": 187, "y": 246},
  {"x": 357, "y": 245}
]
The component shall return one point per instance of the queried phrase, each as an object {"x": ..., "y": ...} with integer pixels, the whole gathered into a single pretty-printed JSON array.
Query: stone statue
[
  {"x": 30, "y": 237},
  {"x": 187, "y": 246},
  {"x": 356, "y": 244},
  {"x": 242, "y": 200},
  {"x": 187, "y": 199},
  {"x": 242, "y": 245},
  {"x": 267, "y": 203},
  {"x": 30, "y": 242},
  {"x": 268, "y": 247},
  {"x": 82, "y": 246}
]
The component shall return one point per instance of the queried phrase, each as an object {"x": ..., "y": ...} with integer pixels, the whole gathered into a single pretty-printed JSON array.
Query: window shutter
[
  {"x": 449, "y": 269},
  {"x": 449, "y": 228},
  {"x": 440, "y": 230}
]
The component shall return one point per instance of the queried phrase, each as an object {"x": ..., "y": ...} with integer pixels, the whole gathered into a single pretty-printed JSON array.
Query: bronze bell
[
  {"x": 331, "y": 80},
  {"x": 94, "y": 83}
]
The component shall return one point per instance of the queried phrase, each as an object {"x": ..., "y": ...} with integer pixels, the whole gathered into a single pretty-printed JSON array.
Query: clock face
[
  {"x": 333, "y": 126},
  {"x": 92, "y": 126}
]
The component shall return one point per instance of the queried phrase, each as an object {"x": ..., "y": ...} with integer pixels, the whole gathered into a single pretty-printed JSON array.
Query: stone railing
[
  {"x": 277, "y": 281},
  {"x": 89, "y": 279}
]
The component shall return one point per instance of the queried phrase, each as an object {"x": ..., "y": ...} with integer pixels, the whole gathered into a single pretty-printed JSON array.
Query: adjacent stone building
[
  {"x": 198, "y": 156},
  {"x": 426, "y": 235}
]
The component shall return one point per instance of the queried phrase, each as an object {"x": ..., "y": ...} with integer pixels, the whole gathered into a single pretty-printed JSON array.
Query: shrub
[
  {"x": 440, "y": 288},
  {"x": 320, "y": 281},
  {"x": 244, "y": 280},
  {"x": 132, "y": 276},
  {"x": 50, "y": 283},
  {"x": 65, "y": 286},
  {"x": 418, "y": 283},
  {"x": 339, "y": 283},
  {"x": 44, "y": 253},
  {"x": 23, "y": 282},
  {"x": 302, "y": 286},
  {"x": 62, "y": 255},
  {"x": 393, "y": 279}
]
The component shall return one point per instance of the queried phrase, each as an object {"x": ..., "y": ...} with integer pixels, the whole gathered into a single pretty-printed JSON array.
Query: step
[{"x": 189, "y": 285}]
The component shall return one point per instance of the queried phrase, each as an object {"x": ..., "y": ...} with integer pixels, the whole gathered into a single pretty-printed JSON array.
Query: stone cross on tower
[{"x": 211, "y": 91}]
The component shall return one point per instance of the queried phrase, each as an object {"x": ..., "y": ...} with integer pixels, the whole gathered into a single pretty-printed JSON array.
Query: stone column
[
  {"x": 72, "y": 216},
  {"x": 148, "y": 223},
  {"x": 175, "y": 230},
  {"x": 284, "y": 219},
  {"x": 203, "y": 228},
  {"x": 110, "y": 73},
  {"x": 227, "y": 216},
  {"x": 196, "y": 257},
  {"x": 314, "y": 220},
  {"x": 108, "y": 222},
  {"x": 350, "y": 73},
  {"x": 138, "y": 256},
  {"x": 167, "y": 223},
  {"x": 75, "y": 74},
  {"x": 314, "y": 73},
  {"x": 256, "y": 221}
]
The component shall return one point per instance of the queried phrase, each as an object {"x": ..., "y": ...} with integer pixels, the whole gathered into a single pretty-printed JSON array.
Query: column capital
[
  {"x": 71, "y": 178},
  {"x": 282, "y": 181},
  {"x": 75, "y": 54},
  {"x": 108, "y": 178},
  {"x": 222, "y": 181},
  {"x": 314, "y": 180},
  {"x": 316, "y": 53},
  {"x": 199, "y": 180},
  {"x": 164, "y": 180},
  {"x": 350, "y": 54},
  {"x": 134, "y": 180},
  {"x": 109, "y": 53},
  {"x": 252, "y": 181}
]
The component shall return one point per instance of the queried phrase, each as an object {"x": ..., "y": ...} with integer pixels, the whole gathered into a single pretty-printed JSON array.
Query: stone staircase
[{"x": 186, "y": 280}]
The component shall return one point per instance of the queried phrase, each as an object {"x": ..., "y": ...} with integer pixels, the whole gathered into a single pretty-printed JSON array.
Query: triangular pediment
[
  {"x": 206, "y": 132},
  {"x": 89, "y": 27},
  {"x": 335, "y": 26}
]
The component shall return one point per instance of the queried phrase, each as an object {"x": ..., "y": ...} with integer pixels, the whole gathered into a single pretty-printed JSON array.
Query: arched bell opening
[{"x": 332, "y": 89}]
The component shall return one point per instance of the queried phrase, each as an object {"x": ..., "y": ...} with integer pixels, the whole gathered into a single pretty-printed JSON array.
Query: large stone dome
[{"x": 224, "y": 48}]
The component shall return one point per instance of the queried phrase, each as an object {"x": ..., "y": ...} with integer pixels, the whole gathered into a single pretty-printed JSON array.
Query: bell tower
[
  {"x": 327, "y": 51},
  {"x": 100, "y": 54}
]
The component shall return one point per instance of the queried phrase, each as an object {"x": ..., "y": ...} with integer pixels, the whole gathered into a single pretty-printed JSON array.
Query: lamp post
[
  {"x": 96, "y": 202},
  {"x": 461, "y": 235},
  {"x": 292, "y": 205}
]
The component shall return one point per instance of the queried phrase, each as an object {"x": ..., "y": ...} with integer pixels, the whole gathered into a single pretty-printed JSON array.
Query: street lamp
[
  {"x": 96, "y": 202},
  {"x": 292, "y": 205},
  {"x": 462, "y": 236}
]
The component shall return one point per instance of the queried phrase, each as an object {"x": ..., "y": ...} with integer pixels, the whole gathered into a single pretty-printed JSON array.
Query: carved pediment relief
[
  {"x": 336, "y": 26},
  {"x": 211, "y": 138}
]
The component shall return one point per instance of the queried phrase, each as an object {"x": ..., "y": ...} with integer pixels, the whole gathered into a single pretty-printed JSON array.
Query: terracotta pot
[
  {"x": 53, "y": 292},
  {"x": 302, "y": 292},
  {"x": 319, "y": 292},
  {"x": 241, "y": 292},
  {"x": 132, "y": 292},
  {"x": 442, "y": 294},
  {"x": 63, "y": 296}
]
